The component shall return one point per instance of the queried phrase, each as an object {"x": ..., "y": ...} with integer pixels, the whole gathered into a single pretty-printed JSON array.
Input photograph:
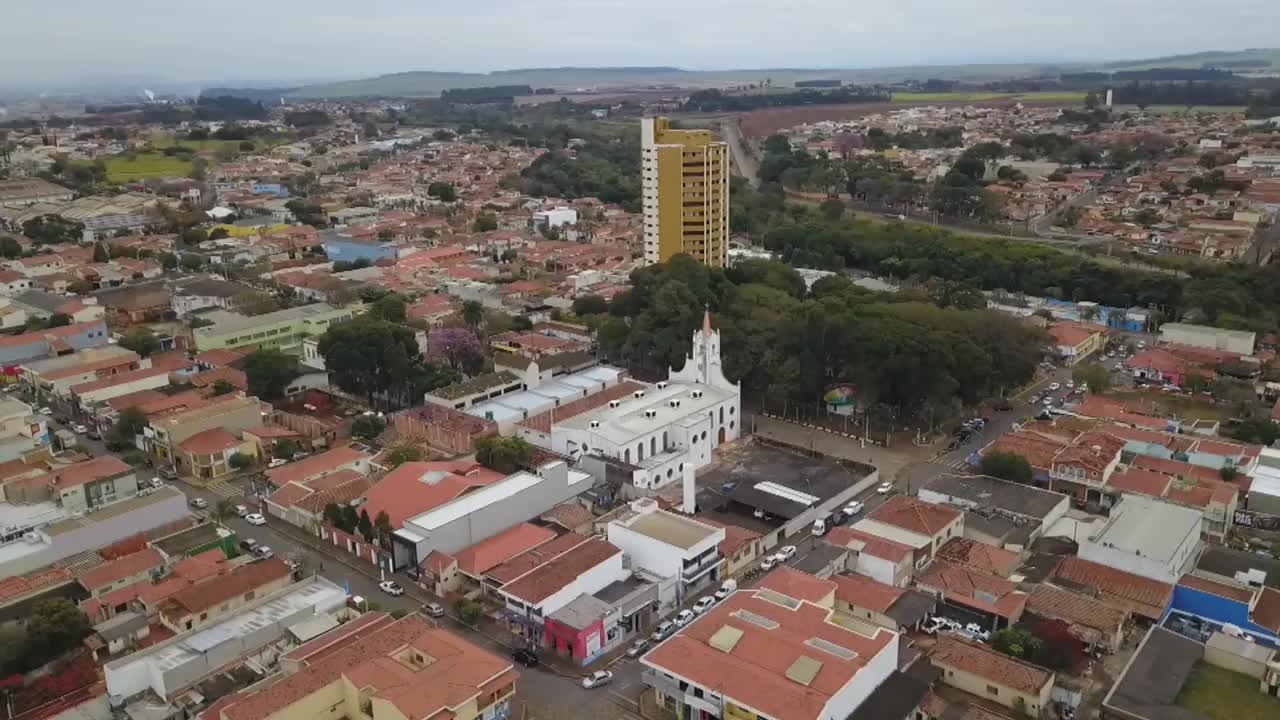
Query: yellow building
[{"x": 685, "y": 183}]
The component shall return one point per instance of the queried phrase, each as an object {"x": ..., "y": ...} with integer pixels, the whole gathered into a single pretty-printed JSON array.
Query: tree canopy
[
  {"x": 1008, "y": 466},
  {"x": 380, "y": 361},
  {"x": 269, "y": 372}
]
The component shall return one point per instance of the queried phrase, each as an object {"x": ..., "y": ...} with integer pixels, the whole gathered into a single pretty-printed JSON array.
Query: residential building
[
  {"x": 232, "y": 412},
  {"x": 208, "y": 603},
  {"x": 998, "y": 512},
  {"x": 382, "y": 669},
  {"x": 996, "y": 600},
  {"x": 1240, "y": 342},
  {"x": 1143, "y": 597},
  {"x": 16, "y": 349},
  {"x": 663, "y": 544},
  {"x": 207, "y": 454},
  {"x": 21, "y": 430},
  {"x": 982, "y": 671},
  {"x": 553, "y": 218},
  {"x": 1074, "y": 341},
  {"x": 1094, "y": 623},
  {"x": 881, "y": 559},
  {"x": 54, "y": 377},
  {"x": 1146, "y": 537},
  {"x": 894, "y": 608},
  {"x": 281, "y": 330},
  {"x": 685, "y": 188},
  {"x": 763, "y": 653},
  {"x": 922, "y": 526}
]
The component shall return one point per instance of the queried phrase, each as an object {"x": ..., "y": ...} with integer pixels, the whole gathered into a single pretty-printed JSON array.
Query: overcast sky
[{"x": 56, "y": 41}]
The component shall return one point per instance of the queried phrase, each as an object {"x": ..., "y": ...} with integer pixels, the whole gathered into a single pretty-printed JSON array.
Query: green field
[
  {"x": 1224, "y": 695},
  {"x": 122, "y": 168},
  {"x": 1172, "y": 109},
  {"x": 1058, "y": 96}
]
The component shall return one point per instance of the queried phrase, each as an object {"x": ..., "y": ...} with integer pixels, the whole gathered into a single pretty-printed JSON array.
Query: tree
[
  {"x": 389, "y": 307},
  {"x": 47, "y": 229},
  {"x": 59, "y": 320},
  {"x": 458, "y": 347},
  {"x": 100, "y": 254},
  {"x": 284, "y": 449},
  {"x": 190, "y": 261},
  {"x": 9, "y": 247},
  {"x": 140, "y": 341},
  {"x": 503, "y": 454},
  {"x": 1097, "y": 377},
  {"x": 1008, "y": 466},
  {"x": 485, "y": 222},
  {"x": 223, "y": 510},
  {"x": 1261, "y": 431},
  {"x": 380, "y": 361},
  {"x": 168, "y": 261},
  {"x": 468, "y": 611},
  {"x": 255, "y": 302},
  {"x": 472, "y": 313},
  {"x": 1017, "y": 642},
  {"x": 365, "y": 525},
  {"x": 53, "y": 628},
  {"x": 269, "y": 372},
  {"x": 590, "y": 305},
  {"x": 240, "y": 461},
  {"x": 219, "y": 233},
  {"x": 442, "y": 191},
  {"x": 126, "y": 429},
  {"x": 222, "y": 387},
  {"x": 403, "y": 454},
  {"x": 368, "y": 427},
  {"x": 382, "y": 524}
]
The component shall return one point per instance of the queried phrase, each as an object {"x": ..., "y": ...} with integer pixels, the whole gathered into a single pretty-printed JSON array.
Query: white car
[
  {"x": 704, "y": 604},
  {"x": 79, "y": 429},
  {"x": 1070, "y": 384},
  {"x": 157, "y": 482},
  {"x": 255, "y": 519},
  {"x": 853, "y": 508},
  {"x": 933, "y": 625},
  {"x": 277, "y": 462},
  {"x": 786, "y": 552},
  {"x": 391, "y": 587},
  {"x": 599, "y": 678},
  {"x": 663, "y": 630},
  {"x": 885, "y": 488},
  {"x": 1054, "y": 387},
  {"x": 770, "y": 563},
  {"x": 46, "y": 411},
  {"x": 684, "y": 618}
]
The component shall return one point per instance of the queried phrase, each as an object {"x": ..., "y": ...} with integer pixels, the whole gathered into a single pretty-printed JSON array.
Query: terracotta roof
[
  {"x": 979, "y": 556},
  {"x": 118, "y": 379},
  {"x": 271, "y": 431},
  {"x": 378, "y": 658},
  {"x": 970, "y": 587},
  {"x": 416, "y": 487},
  {"x": 235, "y": 583},
  {"x": 316, "y": 465},
  {"x": 492, "y": 552},
  {"x": 796, "y": 584},
  {"x": 1070, "y": 334},
  {"x": 1212, "y": 587},
  {"x": 219, "y": 357},
  {"x": 552, "y": 577},
  {"x": 914, "y": 515},
  {"x": 866, "y": 592},
  {"x": 986, "y": 663},
  {"x": 103, "y": 466},
  {"x": 1267, "y": 612},
  {"x": 1140, "y": 595},
  {"x": 213, "y": 440},
  {"x": 120, "y": 568},
  {"x": 201, "y": 566},
  {"x": 866, "y": 543},
  {"x": 1143, "y": 482},
  {"x": 527, "y": 562},
  {"x": 12, "y": 588},
  {"x": 568, "y": 515},
  {"x": 734, "y": 536},
  {"x": 543, "y": 421},
  {"x": 1176, "y": 468},
  {"x": 437, "y": 561},
  {"x": 1056, "y": 603},
  {"x": 749, "y": 649}
]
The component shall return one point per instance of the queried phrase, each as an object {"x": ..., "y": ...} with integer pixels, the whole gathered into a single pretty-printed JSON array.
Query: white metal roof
[{"x": 474, "y": 501}]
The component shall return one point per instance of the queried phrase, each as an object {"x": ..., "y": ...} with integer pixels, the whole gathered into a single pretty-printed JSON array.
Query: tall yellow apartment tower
[{"x": 686, "y": 193}]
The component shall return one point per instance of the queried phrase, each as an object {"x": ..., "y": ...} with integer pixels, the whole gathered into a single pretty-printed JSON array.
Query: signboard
[
  {"x": 1257, "y": 521},
  {"x": 840, "y": 395}
]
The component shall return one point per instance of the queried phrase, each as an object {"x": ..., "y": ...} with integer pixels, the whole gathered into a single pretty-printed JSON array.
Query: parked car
[
  {"x": 93, "y": 435},
  {"x": 241, "y": 511},
  {"x": 638, "y": 648},
  {"x": 853, "y": 508},
  {"x": 933, "y": 625},
  {"x": 770, "y": 563},
  {"x": 599, "y": 678},
  {"x": 435, "y": 610},
  {"x": 726, "y": 587},
  {"x": 198, "y": 503},
  {"x": 786, "y": 552},
  {"x": 255, "y": 519},
  {"x": 819, "y": 527},
  {"x": 46, "y": 411},
  {"x": 684, "y": 618},
  {"x": 263, "y": 552},
  {"x": 885, "y": 488},
  {"x": 277, "y": 462},
  {"x": 975, "y": 631},
  {"x": 525, "y": 657},
  {"x": 391, "y": 587},
  {"x": 704, "y": 604},
  {"x": 1054, "y": 387},
  {"x": 1034, "y": 399},
  {"x": 157, "y": 482},
  {"x": 248, "y": 544},
  {"x": 663, "y": 631},
  {"x": 79, "y": 429}
]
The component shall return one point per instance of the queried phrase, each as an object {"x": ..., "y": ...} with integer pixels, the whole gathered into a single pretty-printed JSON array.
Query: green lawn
[
  {"x": 1048, "y": 96},
  {"x": 1224, "y": 695},
  {"x": 122, "y": 168}
]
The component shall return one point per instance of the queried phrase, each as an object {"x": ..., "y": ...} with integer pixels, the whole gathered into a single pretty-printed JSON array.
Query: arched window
[
  {"x": 664, "y": 440},
  {"x": 640, "y": 452},
  {"x": 653, "y": 446},
  {"x": 626, "y": 456},
  {"x": 721, "y": 414}
]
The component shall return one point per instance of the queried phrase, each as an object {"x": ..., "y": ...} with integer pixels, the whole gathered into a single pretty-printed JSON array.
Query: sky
[{"x": 253, "y": 41}]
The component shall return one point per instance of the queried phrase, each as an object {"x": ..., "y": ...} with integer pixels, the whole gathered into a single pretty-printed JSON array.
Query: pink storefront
[{"x": 583, "y": 630}]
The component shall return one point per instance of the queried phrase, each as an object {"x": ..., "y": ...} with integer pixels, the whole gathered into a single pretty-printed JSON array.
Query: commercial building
[
  {"x": 1075, "y": 342},
  {"x": 1146, "y": 537},
  {"x": 666, "y": 545},
  {"x": 283, "y": 330},
  {"x": 982, "y": 671},
  {"x": 998, "y": 512},
  {"x": 763, "y": 653},
  {"x": 17, "y": 349},
  {"x": 685, "y": 188},
  {"x": 1240, "y": 342},
  {"x": 166, "y": 433},
  {"x": 381, "y": 669},
  {"x": 528, "y": 600},
  {"x": 922, "y": 526},
  {"x": 207, "y": 603},
  {"x": 1264, "y": 489}
]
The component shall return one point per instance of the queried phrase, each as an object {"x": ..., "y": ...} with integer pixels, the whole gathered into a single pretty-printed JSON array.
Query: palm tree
[{"x": 472, "y": 313}]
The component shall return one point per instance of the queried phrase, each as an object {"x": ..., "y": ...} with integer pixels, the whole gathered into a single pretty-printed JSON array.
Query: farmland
[
  {"x": 954, "y": 97},
  {"x": 127, "y": 168}
]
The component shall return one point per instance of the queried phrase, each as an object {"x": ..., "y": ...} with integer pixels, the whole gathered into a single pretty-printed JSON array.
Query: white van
[
  {"x": 819, "y": 527},
  {"x": 726, "y": 587}
]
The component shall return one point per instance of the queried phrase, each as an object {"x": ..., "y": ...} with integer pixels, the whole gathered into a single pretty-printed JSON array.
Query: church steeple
[{"x": 703, "y": 364}]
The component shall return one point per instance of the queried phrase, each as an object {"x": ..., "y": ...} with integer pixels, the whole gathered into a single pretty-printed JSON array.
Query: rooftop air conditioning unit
[
  {"x": 674, "y": 403},
  {"x": 662, "y": 385},
  {"x": 595, "y": 423},
  {"x": 651, "y": 413},
  {"x": 614, "y": 403},
  {"x": 639, "y": 393},
  {"x": 697, "y": 393}
]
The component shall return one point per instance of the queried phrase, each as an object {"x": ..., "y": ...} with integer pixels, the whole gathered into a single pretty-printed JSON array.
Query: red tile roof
[
  {"x": 14, "y": 587},
  {"x": 914, "y": 515},
  {"x": 553, "y": 576},
  {"x": 1058, "y": 604},
  {"x": 1176, "y": 468},
  {"x": 568, "y": 515},
  {"x": 235, "y": 583},
  {"x": 868, "y": 544},
  {"x": 995, "y": 667},
  {"x": 316, "y": 465},
  {"x": 417, "y": 487},
  {"x": 526, "y": 562},
  {"x": 488, "y": 554},
  {"x": 213, "y": 440},
  {"x": 734, "y": 536},
  {"x": 121, "y": 568},
  {"x": 1140, "y": 595},
  {"x": 979, "y": 556},
  {"x": 103, "y": 466},
  {"x": 120, "y": 379},
  {"x": 796, "y": 584},
  {"x": 1071, "y": 334},
  {"x": 1230, "y": 592},
  {"x": 1267, "y": 611},
  {"x": 970, "y": 587},
  {"x": 866, "y": 592}
]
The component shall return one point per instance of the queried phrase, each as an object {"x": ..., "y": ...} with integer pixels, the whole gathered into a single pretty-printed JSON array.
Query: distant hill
[
  {"x": 266, "y": 96},
  {"x": 426, "y": 84}
]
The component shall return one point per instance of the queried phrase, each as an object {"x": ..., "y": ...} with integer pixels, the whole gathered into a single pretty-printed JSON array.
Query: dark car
[
  {"x": 525, "y": 657},
  {"x": 1004, "y": 406}
]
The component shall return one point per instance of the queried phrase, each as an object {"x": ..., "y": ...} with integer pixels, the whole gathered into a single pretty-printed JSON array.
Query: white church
[{"x": 665, "y": 430}]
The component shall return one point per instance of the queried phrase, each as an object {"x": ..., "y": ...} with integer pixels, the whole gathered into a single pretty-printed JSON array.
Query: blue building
[
  {"x": 346, "y": 248},
  {"x": 1254, "y": 609},
  {"x": 52, "y": 342}
]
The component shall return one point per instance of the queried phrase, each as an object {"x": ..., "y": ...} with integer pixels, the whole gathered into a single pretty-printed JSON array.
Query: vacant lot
[
  {"x": 1172, "y": 109},
  {"x": 953, "y": 97},
  {"x": 1224, "y": 695},
  {"x": 125, "y": 168},
  {"x": 1187, "y": 407}
]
